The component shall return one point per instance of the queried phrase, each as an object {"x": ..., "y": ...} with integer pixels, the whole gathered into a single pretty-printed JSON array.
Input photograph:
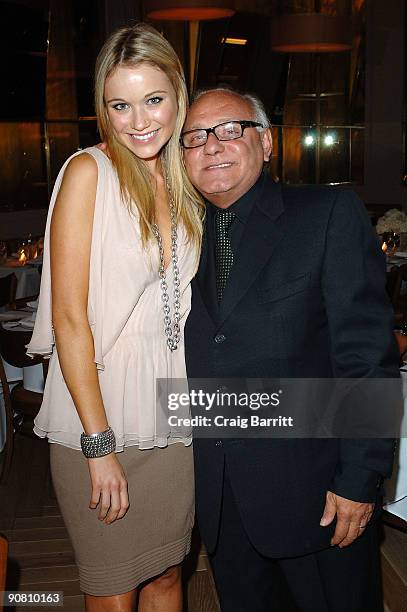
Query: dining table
[
  {"x": 399, "y": 258},
  {"x": 32, "y": 376},
  {"x": 28, "y": 276}
]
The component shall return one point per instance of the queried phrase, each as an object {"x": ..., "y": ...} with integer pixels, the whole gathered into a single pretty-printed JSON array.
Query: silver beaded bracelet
[{"x": 98, "y": 444}]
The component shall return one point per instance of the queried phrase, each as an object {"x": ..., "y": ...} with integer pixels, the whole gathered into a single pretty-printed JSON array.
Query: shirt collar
[{"x": 243, "y": 206}]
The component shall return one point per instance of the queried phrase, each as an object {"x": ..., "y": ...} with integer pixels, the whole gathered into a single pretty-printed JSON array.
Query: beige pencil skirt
[{"x": 154, "y": 534}]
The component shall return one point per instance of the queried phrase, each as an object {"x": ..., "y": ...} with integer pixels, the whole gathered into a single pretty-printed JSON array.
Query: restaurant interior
[{"x": 331, "y": 74}]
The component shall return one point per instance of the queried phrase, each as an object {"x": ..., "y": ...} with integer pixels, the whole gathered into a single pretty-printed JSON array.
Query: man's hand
[{"x": 352, "y": 518}]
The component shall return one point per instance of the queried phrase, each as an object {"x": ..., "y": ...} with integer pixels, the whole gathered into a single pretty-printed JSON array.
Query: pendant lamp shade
[
  {"x": 188, "y": 10},
  {"x": 310, "y": 33}
]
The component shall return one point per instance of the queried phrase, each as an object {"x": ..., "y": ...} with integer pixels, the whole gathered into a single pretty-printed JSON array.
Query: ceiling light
[
  {"x": 188, "y": 10},
  {"x": 310, "y": 33}
]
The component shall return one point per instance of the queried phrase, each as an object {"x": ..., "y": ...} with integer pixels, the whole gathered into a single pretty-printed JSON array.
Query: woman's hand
[{"x": 109, "y": 488}]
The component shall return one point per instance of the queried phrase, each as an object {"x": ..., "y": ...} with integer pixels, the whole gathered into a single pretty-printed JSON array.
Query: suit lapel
[{"x": 260, "y": 239}]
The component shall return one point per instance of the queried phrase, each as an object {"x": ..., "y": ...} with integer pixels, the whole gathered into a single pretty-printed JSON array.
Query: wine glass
[{"x": 391, "y": 242}]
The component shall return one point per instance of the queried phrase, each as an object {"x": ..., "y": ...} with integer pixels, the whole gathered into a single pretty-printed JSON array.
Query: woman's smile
[{"x": 142, "y": 109}]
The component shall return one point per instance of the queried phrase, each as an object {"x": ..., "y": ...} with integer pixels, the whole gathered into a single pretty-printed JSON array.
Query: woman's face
[{"x": 142, "y": 108}]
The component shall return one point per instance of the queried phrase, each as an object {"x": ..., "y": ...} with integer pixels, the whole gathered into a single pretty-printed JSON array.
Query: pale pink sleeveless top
[{"x": 126, "y": 318}]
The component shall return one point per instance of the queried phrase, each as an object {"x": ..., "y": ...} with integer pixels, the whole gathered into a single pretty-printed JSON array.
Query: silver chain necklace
[{"x": 172, "y": 332}]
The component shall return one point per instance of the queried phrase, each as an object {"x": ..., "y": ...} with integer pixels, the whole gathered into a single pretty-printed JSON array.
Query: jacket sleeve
[{"x": 360, "y": 319}]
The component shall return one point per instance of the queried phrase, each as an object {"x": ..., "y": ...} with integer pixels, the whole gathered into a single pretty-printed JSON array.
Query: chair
[
  {"x": 8, "y": 287},
  {"x": 20, "y": 303},
  {"x": 17, "y": 399}
]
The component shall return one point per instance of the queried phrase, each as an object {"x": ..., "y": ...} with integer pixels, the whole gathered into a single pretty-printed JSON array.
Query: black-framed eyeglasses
[{"x": 230, "y": 130}]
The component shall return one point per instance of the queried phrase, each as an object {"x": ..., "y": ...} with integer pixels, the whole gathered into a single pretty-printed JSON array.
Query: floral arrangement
[{"x": 392, "y": 221}]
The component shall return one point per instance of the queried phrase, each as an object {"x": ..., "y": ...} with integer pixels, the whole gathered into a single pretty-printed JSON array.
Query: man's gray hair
[{"x": 258, "y": 108}]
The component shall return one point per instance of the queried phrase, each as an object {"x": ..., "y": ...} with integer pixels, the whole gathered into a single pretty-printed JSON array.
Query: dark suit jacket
[{"x": 305, "y": 298}]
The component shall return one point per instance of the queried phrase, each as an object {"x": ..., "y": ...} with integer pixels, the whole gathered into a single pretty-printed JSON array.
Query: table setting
[
  {"x": 22, "y": 320},
  {"x": 391, "y": 229},
  {"x": 25, "y": 264},
  {"x": 398, "y": 259}
]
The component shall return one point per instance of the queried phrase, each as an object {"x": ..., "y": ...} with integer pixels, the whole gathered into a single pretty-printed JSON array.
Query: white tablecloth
[
  {"x": 399, "y": 259},
  {"x": 28, "y": 279},
  {"x": 32, "y": 376}
]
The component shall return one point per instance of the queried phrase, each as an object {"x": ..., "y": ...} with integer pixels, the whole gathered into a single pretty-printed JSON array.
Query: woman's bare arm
[{"x": 71, "y": 236}]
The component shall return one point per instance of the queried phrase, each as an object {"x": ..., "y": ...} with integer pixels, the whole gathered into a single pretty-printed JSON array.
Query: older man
[{"x": 290, "y": 284}]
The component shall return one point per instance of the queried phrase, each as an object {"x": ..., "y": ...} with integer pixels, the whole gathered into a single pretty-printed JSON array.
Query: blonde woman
[{"x": 121, "y": 246}]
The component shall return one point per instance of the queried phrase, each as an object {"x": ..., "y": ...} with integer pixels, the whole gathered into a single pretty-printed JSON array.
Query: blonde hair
[{"x": 132, "y": 46}]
